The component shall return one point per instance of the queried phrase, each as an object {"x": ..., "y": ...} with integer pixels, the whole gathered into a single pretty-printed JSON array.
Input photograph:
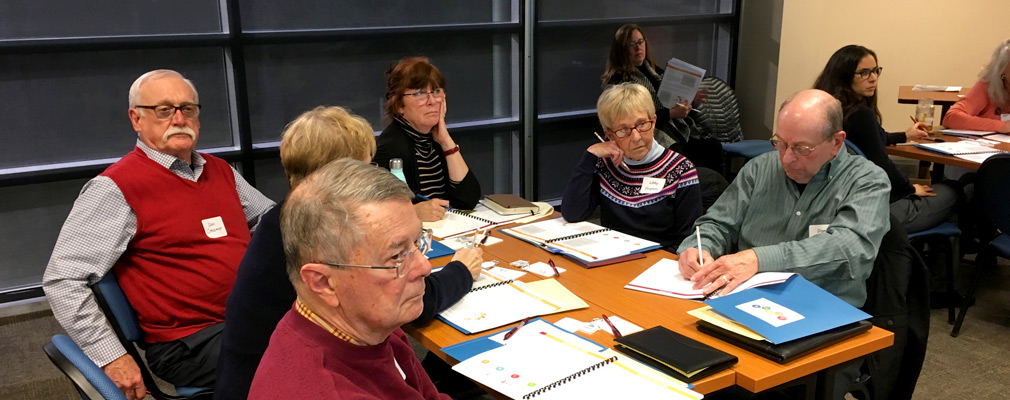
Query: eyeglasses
[
  {"x": 422, "y": 95},
  {"x": 422, "y": 244},
  {"x": 865, "y": 73},
  {"x": 163, "y": 111},
  {"x": 636, "y": 43},
  {"x": 798, "y": 149},
  {"x": 641, "y": 127}
]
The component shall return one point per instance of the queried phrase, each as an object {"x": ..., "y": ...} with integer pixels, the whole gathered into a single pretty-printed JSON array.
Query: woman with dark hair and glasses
[
  {"x": 986, "y": 107},
  {"x": 851, "y": 76},
  {"x": 631, "y": 60},
  {"x": 432, "y": 163},
  {"x": 641, "y": 188}
]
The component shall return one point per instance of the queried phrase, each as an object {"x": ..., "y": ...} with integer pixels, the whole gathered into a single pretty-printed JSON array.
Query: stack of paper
[{"x": 935, "y": 88}]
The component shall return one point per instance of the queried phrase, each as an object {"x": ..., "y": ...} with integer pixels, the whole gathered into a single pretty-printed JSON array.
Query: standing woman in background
[
  {"x": 631, "y": 60},
  {"x": 432, "y": 163},
  {"x": 851, "y": 76},
  {"x": 986, "y": 107}
]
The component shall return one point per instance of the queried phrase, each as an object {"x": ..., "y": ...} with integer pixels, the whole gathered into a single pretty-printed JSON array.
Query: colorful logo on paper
[{"x": 770, "y": 312}]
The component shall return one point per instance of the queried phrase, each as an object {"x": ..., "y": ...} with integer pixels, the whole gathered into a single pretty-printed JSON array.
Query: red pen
[
  {"x": 612, "y": 327},
  {"x": 554, "y": 267},
  {"x": 516, "y": 329}
]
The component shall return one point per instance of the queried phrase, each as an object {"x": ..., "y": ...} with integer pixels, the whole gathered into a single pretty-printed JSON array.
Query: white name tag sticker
[
  {"x": 770, "y": 312},
  {"x": 652, "y": 185},
  {"x": 214, "y": 227},
  {"x": 815, "y": 229},
  {"x": 1004, "y": 117}
]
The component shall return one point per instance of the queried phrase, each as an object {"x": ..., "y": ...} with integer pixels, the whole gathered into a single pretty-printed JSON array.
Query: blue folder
[
  {"x": 439, "y": 250},
  {"x": 821, "y": 310}
]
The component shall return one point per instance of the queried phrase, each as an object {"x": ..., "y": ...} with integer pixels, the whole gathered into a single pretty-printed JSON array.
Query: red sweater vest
[{"x": 175, "y": 274}]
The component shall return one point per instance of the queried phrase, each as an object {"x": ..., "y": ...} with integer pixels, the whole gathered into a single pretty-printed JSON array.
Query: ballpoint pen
[
  {"x": 612, "y": 327},
  {"x": 554, "y": 267},
  {"x": 924, "y": 128},
  {"x": 604, "y": 141},
  {"x": 516, "y": 329},
  {"x": 697, "y": 231}
]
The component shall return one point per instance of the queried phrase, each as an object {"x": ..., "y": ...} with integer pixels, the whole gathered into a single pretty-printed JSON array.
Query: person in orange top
[{"x": 986, "y": 107}]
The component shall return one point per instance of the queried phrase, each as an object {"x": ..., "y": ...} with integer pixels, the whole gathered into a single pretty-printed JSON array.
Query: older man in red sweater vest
[
  {"x": 355, "y": 248},
  {"x": 172, "y": 224}
]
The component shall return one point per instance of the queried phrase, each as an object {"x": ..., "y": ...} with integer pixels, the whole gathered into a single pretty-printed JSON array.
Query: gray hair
[
  {"x": 993, "y": 74},
  {"x": 832, "y": 112},
  {"x": 319, "y": 220},
  {"x": 621, "y": 100},
  {"x": 158, "y": 73}
]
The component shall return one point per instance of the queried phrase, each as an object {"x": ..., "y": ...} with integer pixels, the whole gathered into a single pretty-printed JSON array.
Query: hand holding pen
[{"x": 608, "y": 150}]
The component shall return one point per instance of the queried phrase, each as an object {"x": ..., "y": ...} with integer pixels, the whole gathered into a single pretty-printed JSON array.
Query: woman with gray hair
[
  {"x": 641, "y": 188},
  {"x": 986, "y": 107}
]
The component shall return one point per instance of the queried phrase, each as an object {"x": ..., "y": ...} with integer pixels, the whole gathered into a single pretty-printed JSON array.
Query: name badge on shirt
[
  {"x": 815, "y": 229},
  {"x": 214, "y": 227},
  {"x": 1004, "y": 117},
  {"x": 652, "y": 185}
]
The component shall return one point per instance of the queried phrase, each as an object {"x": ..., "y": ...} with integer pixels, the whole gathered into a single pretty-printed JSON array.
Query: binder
[
  {"x": 439, "y": 250},
  {"x": 787, "y": 311},
  {"x": 493, "y": 302},
  {"x": 957, "y": 148},
  {"x": 680, "y": 356},
  {"x": 782, "y": 353},
  {"x": 588, "y": 244}
]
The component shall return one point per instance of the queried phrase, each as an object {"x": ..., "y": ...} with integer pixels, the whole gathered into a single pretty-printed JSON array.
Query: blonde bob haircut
[
  {"x": 622, "y": 100},
  {"x": 321, "y": 135}
]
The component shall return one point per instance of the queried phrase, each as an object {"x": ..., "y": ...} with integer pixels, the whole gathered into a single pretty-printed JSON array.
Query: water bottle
[{"x": 396, "y": 167}]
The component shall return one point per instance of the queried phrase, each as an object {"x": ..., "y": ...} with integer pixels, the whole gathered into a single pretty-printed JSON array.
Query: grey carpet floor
[{"x": 975, "y": 365}]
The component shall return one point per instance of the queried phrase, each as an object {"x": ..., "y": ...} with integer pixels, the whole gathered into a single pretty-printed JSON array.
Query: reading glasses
[
  {"x": 164, "y": 111},
  {"x": 422, "y": 244}
]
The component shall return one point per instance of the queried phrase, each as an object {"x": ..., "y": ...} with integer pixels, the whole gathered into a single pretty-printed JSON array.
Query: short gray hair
[
  {"x": 993, "y": 74},
  {"x": 831, "y": 113},
  {"x": 319, "y": 220},
  {"x": 158, "y": 73},
  {"x": 621, "y": 100}
]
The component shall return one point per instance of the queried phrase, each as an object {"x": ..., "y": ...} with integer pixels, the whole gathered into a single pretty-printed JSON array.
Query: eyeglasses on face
[
  {"x": 798, "y": 149},
  {"x": 164, "y": 111},
  {"x": 422, "y": 245},
  {"x": 865, "y": 72},
  {"x": 641, "y": 127},
  {"x": 422, "y": 95},
  {"x": 636, "y": 43}
]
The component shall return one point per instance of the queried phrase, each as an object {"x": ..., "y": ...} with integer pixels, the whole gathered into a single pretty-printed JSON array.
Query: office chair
[
  {"x": 992, "y": 187},
  {"x": 119, "y": 312},
  {"x": 89, "y": 379}
]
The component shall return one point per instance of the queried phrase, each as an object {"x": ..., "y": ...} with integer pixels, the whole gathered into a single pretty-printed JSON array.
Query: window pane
[
  {"x": 286, "y": 80},
  {"x": 308, "y": 14},
  {"x": 64, "y": 107},
  {"x": 493, "y": 158},
  {"x": 573, "y": 59},
  {"x": 605, "y": 9},
  {"x": 270, "y": 179},
  {"x": 20, "y": 19},
  {"x": 32, "y": 216},
  {"x": 560, "y": 145}
]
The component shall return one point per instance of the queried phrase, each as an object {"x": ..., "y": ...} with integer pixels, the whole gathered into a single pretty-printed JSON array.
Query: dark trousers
[{"x": 190, "y": 361}]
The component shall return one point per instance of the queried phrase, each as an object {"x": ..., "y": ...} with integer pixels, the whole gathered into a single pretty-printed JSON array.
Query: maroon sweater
[
  {"x": 177, "y": 271},
  {"x": 304, "y": 361}
]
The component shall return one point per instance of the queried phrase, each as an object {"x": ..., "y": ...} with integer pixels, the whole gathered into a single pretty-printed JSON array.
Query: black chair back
[{"x": 993, "y": 188}]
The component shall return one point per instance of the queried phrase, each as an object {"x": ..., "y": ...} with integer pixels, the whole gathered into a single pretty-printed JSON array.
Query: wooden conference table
[
  {"x": 943, "y": 99},
  {"x": 931, "y": 156},
  {"x": 603, "y": 289}
]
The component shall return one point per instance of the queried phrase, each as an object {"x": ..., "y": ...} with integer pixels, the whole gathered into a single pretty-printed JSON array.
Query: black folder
[
  {"x": 784, "y": 352},
  {"x": 675, "y": 354}
]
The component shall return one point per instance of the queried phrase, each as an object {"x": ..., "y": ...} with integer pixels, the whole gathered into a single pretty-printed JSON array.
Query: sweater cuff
[
  {"x": 457, "y": 267},
  {"x": 770, "y": 258}
]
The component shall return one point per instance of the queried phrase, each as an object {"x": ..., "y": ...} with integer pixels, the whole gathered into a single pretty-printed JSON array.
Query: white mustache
[{"x": 174, "y": 130}]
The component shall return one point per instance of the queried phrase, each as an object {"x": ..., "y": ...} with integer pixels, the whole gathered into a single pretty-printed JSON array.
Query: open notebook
[
  {"x": 463, "y": 222},
  {"x": 582, "y": 241},
  {"x": 542, "y": 361},
  {"x": 664, "y": 278},
  {"x": 493, "y": 302}
]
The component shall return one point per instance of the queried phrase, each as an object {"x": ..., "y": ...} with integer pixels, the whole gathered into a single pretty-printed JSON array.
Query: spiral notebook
[
  {"x": 542, "y": 361},
  {"x": 957, "y": 148},
  {"x": 585, "y": 242},
  {"x": 493, "y": 302},
  {"x": 461, "y": 222}
]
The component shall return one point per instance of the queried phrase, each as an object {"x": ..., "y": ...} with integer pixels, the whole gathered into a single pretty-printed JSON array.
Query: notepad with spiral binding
[
  {"x": 585, "y": 242},
  {"x": 494, "y": 302},
  {"x": 462, "y": 222},
  {"x": 957, "y": 148}
]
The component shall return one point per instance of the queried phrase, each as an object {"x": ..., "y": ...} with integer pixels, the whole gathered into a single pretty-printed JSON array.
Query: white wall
[{"x": 939, "y": 42}]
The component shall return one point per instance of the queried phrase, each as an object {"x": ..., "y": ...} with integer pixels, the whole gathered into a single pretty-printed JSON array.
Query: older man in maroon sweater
[{"x": 355, "y": 252}]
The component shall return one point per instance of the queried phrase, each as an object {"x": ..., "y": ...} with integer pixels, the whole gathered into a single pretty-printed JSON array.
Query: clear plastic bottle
[{"x": 396, "y": 167}]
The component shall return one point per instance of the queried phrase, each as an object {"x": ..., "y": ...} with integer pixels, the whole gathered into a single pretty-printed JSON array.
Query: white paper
[
  {"x": 543, "y": 269},
  {"x": 506, "y": 273},
  {"x": 978, "y": 158},
  {"x": 624, "y": 326},
  {"x": 458, "y": 222},
  {"x": 935, "y": 88},
  {"x": 664, "y": 278},
  {"x": 680, "y": 83},
  {"x": 460, "y": 242},
  {"x": 573, "y": 325},
  {"x": 484, "y": 309},
  {"x": 999, "y": 137},
  {"x": 769, "y": 311}
]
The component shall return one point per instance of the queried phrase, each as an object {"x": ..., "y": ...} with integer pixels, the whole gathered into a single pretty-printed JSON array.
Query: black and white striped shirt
[{"x": 431, "y": 174}]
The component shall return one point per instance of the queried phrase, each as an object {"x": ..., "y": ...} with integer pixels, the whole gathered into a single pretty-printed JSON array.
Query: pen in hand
[
  {"x": 604, "y": 141},
  {"x": 714, "y": 292},
  {"x": 924, "y": 128}
]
